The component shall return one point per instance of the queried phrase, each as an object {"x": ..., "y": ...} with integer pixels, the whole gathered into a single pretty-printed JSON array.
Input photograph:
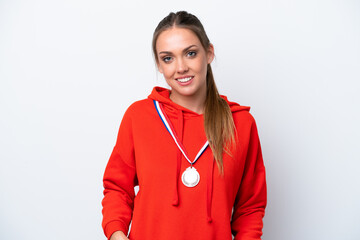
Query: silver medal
[{"x": 190, "y": 177}]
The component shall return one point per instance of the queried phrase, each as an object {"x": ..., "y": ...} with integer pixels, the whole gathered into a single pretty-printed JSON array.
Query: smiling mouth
[{"x": 184, "y": 80}]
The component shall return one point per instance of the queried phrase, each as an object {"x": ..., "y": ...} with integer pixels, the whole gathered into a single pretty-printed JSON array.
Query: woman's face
[{"x": 183, "y": 62}]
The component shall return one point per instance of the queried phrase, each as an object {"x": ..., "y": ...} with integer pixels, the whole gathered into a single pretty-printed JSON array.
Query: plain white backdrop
[{"x": 69, "y": 69}]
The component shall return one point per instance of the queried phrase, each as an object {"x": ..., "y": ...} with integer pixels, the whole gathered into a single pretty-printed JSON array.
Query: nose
[{"x": 181, "y": 66}]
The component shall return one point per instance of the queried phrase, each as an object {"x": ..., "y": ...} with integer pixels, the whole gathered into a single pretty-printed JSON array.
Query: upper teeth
[{"x": 184, "y": 79}]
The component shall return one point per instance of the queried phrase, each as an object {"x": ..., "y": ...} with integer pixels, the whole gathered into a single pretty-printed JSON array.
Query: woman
[{"x": 195, "y": 155}]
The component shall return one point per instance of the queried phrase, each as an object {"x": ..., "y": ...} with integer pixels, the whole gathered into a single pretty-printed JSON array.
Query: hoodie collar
[{"x": 163, "y": 96}]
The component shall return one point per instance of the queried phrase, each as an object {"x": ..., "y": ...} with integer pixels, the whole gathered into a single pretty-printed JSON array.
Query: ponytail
[{"x": 218, "y": 122}]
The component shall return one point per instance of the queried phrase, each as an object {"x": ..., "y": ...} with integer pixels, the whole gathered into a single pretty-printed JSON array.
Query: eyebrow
[{"x": 186, "y": 49}]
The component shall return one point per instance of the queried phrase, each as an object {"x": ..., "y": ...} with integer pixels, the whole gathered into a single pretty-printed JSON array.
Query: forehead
[{"x": 176, "y": 39}]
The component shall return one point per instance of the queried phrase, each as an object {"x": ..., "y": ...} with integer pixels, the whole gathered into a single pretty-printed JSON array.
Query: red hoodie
[{"x": 164, "y": 208}]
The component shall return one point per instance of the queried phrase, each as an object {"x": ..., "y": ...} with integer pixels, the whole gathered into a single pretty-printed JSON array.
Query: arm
[
  {"x": 119, "y": 181},
  {"x": 250, "y": 202}
]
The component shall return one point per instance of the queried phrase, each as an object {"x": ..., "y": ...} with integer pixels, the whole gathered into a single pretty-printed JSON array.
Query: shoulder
[
  {"x": 137, "y": 113},
  {"x": 241, "y": 114},
  {"x": 139, "y": 107},
  {"x": 242, "y": 117},
  {"x": 244, "y": 122}
]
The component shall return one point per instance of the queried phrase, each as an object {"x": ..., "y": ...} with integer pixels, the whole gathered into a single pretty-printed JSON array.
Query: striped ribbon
[{"x": 164, "y": 118}]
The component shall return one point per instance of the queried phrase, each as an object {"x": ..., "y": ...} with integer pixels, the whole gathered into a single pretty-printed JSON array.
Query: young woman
[{"x": 195, "y": 155}]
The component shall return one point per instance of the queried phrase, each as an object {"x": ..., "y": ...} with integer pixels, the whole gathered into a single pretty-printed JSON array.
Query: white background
[{"x": 69, "y": 69}]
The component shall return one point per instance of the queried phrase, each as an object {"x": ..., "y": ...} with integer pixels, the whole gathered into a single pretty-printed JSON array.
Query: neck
[{"x": 194, "y": 103}]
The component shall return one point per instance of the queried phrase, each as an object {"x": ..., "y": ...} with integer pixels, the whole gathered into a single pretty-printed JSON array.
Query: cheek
[
  {"x": 167, "y": 70},
  {"x": 201, "y": 66}
]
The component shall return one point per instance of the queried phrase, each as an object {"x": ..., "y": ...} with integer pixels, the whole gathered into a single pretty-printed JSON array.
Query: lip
[{"x": 185, "y": 83}]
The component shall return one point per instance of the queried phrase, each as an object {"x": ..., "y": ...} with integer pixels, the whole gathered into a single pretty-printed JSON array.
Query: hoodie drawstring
[
  {"x": 209, "y": 190},
  {"x": 180, "y": 127},
  {"x": 210, "y": 174}
]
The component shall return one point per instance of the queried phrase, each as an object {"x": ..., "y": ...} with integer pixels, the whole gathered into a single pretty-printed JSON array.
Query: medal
[{"x": 190, "y": 176}]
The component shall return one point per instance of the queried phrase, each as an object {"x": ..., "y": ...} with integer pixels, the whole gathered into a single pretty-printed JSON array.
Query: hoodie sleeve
[
  {"x": 250, "y": 202},
  {"x": 119, "y": 181}
]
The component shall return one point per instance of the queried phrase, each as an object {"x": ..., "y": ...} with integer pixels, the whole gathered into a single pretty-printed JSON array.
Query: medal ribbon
[{"x": 164, "y": 118}]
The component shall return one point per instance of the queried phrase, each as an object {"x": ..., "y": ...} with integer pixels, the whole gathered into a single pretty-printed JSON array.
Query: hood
[{"x": 162, "y": 95}]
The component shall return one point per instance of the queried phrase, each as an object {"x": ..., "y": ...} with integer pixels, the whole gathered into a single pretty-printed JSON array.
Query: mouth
[{"x": 185, "y": 79}]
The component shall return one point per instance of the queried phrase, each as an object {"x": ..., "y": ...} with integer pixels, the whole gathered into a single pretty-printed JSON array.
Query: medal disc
[{"x": 190, "y": 177}]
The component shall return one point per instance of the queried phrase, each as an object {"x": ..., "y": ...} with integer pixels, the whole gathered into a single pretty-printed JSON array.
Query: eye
[
  {"x": 166, "y": 59},
  {"x": 191, "y": 54}
]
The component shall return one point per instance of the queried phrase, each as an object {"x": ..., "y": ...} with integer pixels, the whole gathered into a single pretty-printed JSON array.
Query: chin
[{"x": 190, "y": 92}]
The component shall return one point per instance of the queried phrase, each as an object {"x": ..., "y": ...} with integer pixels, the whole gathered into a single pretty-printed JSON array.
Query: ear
[{"x": 210, "y": 54}]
